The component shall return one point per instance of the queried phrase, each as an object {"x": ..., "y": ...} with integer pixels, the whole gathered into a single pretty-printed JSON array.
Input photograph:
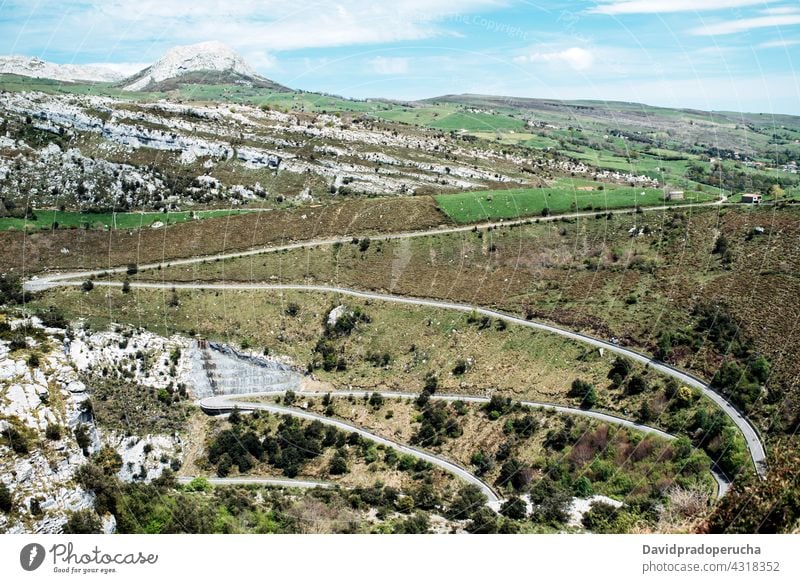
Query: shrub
[
  {"x": 17, "y": 440},
  {"x": 53, "y": 431},
  {"x": 460, "y": 367},
  {"x": 82, "y": 437},
  {"x": 636, "y": 385},
  {"x": 484, "y": 521},
  {"x": 6, "y": 500},
  {"x": 497, "y": 406},
  {"x": 338, "y": 465},
  {"x": 10, "y": 289},
  {"x": 419, "y": 523},
  {"x": 601, "y": 517},
  {"x": 87, "y": 286},
  {"x": 585, "y": 392},
  {"x": 83, "y": 521},
  {"x": 514, "y": 508},
  {"x": 53, "y": 317}
]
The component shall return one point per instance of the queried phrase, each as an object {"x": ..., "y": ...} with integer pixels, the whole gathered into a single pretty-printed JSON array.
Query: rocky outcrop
[{"x": 43, "y": 404}]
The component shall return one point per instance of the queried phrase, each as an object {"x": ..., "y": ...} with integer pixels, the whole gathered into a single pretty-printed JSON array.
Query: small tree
[
  {"x": 338, "y": 465},
  {"x": 636, "y": 385},
  {"x": 515, "y": 508},
  {"x": 126, "y": 286},
  {"x": 87, "y": 286},
  {"x": 590, "y": 400}
]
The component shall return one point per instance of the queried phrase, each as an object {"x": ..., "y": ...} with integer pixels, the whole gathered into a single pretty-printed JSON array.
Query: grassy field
[
  {"x": 54, "y": 219},
  {"x": 94, "y": 248},
  {"x": 469, "y": 207},
  {"x": 418, "y": 341},
  {"x": 451, "y": 118}
]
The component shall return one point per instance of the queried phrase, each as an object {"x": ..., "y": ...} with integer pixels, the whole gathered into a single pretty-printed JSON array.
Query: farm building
[
  {"x": 751, "y": 198},
  {"x": 674, "y": 195}
]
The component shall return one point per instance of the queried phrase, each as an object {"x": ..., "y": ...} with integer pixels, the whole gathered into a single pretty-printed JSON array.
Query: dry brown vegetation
[
  {"x": 97, "y": 249},
  {"x": 591, "y": 275}
]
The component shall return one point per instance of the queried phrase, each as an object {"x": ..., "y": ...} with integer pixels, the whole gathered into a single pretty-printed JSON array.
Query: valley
[{"x": 231, "y": 306}]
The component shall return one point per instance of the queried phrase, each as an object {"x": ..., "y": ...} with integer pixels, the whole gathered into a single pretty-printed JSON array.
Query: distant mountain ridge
[
  {"x": 37, "y": 68},
  {"x": 209, "y": 62}
]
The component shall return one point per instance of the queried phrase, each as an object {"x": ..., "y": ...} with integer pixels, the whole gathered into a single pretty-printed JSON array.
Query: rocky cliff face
[{"x": 48, "y": 431}]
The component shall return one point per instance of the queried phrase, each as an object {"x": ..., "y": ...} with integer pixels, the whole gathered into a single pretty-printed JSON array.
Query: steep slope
[
  {"x": 37, "y": 68},
  {"x": 209, "y": 62}
]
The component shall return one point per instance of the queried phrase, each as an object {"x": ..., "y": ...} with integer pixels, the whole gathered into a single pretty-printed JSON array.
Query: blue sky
[{"x": 707, "y": 54}]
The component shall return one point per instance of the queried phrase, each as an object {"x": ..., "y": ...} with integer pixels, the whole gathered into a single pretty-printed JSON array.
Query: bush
[
  {"x": 514, "y": 508},
  {"x": 497, "y": 406},
  {"x": 467, "y": 501},
  {"x": 484, "y": 521},
  {"x": 82, "y": 437},
  {"x": 6, "y": 500},
  {"x": 601, "y": 517},
  {"x": 482, "y": 462},
  {"x": 17, "y": 440},
  {"x": 582, "y": 487},
  {"x": 636, "y": 385},
  {"x": 53, "y": 317},
  {"x": 416, "y": 524},
  {"x": 338, "y": 465},
  {"x": 83, "y": 522},
  {"x": 199, "y": 484},
  {"x": 460, "y": 367},
  {"x": 585, "y": 392},
  {"x": 53, "y": 431},
  {"x": 516, "y": 474},
  {"x": 87, "y": 286}
]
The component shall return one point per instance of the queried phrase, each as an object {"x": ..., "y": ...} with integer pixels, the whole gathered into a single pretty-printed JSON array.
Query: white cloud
[
  {"x": 773, "y": 44},
  {"x": 575, "y": 57},
  {"x": 276, "y": 25},
  {"x": 780, "y": 10},
  {"x": 663, "y": 6},
  {"x": 745, "y": 24},
  {"x": 389, "y": 65}
]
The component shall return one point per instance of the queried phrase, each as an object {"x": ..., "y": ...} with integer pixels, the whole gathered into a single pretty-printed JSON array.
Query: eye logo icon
[{"x": 31, "y": 556}]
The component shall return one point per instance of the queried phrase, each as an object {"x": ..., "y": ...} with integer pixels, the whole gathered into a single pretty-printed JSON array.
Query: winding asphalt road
[
  {"x": 41, "y": 282},
  {"x": 226, "y": 403},
  {"x": 220, "y": 404},
  {"x": 751, "y": 436},
  {"x": 754, "y": 444}
]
